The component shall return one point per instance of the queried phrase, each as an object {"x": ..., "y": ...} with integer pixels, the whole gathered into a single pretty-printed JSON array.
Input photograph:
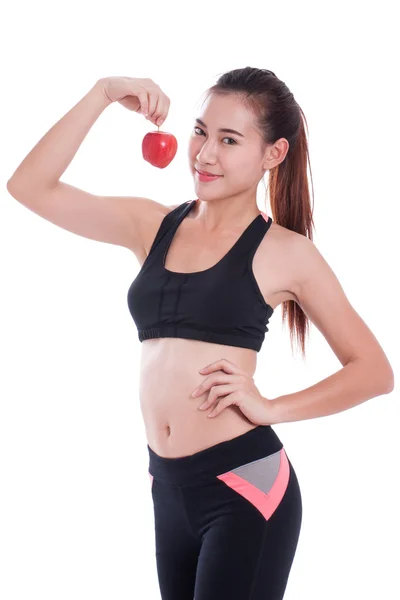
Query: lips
[{"x": 208, "y": 174}]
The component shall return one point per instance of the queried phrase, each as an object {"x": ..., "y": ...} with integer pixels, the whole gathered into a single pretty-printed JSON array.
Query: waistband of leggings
[{"x": 215, "y": 460}]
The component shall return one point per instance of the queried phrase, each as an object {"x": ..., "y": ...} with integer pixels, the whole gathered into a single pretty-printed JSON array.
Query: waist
[
  {"x": 259, "y": 442},
  {"x": 169, "y": 373},
  {"x": 180, "y": 359}
]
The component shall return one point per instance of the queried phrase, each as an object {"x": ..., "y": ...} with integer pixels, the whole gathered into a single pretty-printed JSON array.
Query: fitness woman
[{"x": 213, "y": 269}]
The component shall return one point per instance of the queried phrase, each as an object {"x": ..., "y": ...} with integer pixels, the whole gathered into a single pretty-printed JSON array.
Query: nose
[{"x": 206, "y": 156}]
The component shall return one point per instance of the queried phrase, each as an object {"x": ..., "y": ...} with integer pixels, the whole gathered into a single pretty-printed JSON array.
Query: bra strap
[
  {"x": 168, "y": 221},
  {"x": 247, "y": 244}
]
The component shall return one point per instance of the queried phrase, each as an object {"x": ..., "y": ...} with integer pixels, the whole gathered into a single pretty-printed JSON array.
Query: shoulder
[
  {"x": 289, "y": 255},
  {"x": 302, "y": 261},
  {"x": 285, "y": 243}
]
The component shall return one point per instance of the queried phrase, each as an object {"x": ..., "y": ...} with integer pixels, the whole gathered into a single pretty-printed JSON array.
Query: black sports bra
[{"x": 222, "y": 304}]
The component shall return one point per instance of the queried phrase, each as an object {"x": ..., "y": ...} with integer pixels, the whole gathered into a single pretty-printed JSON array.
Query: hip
[{"x": 227, "y": 480}]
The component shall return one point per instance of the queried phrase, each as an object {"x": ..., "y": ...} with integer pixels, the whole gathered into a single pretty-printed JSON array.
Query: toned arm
[
  {"x": 323, "y": 300},
  {"x": 119, "y": 220}
]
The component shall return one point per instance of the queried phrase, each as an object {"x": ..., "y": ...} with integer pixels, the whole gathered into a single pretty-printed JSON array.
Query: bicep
[{"x": 118, "y": 220}]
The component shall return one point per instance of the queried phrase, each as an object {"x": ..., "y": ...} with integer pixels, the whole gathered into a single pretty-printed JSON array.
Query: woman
[{"x": 227, "y": 502}]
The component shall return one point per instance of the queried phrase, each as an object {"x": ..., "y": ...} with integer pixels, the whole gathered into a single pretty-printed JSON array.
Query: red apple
[{"x": 159, "y": 148}]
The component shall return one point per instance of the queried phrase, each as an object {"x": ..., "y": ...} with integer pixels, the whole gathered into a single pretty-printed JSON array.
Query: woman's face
[{"x": 240, "y": 159}]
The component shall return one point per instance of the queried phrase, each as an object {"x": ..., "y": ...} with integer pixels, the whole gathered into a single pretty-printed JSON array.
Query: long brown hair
[{"x": 279, "y": 116}]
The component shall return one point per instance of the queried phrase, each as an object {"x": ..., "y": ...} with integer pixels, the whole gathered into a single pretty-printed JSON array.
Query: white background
[{"x": 76, "y": 515}]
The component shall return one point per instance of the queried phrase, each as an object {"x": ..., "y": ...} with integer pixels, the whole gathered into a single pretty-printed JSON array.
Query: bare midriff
[{"x": 169, "y": 373}]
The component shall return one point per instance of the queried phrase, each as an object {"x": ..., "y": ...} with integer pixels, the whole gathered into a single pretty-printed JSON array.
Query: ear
[{"x": 275, "y": 153}]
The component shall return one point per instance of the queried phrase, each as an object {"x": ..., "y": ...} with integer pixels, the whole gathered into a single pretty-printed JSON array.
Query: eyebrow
[{"x": 224, "y": 129}]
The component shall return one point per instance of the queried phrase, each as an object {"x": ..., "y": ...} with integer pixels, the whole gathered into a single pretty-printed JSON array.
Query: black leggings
[{"x": 227, "y": 519}]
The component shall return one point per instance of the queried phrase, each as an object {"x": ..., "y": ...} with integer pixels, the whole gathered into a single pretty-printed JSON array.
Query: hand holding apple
[
  {"x": 138, "y": 94},
  {"x": 145, "y": 97}
]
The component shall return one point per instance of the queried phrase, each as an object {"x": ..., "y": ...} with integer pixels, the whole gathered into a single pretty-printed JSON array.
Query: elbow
[
  {"x": 384, "y": 374},
  {"x": 389, "y": 383},
  {"x": 12, "y": 188},
  {"x": 386, "y": 379},
  {"x": 379, "y": 374}
]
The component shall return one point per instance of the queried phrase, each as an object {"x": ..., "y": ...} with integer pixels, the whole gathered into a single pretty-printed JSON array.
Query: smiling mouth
[{"x": 207, "y": 174}]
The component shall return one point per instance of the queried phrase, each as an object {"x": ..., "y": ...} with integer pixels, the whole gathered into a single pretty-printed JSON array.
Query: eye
[{"x": 227, "y": 138}]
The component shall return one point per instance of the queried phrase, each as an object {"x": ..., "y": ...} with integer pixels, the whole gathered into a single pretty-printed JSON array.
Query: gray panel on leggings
[{"x": 262, "y": 473}]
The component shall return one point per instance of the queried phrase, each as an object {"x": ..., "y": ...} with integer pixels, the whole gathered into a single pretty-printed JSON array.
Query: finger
[
  {"x": 156, "y": 105},
  {"x": 144, "y": 102},
  {"x": 153, "y": 100},
  {"x": 158, "y": 115},
  {"x": 160, "y": 120},
  {"x": 164, "y": 109},
  {"x": 210, "y": 381},
  {"x": 215, "y": 393},
  {"x": 222, "y": 404},
  {"x": 222, "y": 364}
]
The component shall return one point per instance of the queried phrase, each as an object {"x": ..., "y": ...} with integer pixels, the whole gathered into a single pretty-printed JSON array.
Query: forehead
[{"x": 226, "y": 111}]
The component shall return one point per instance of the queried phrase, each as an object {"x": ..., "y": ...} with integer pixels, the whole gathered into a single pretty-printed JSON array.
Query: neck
[{"x": 224, "y": 215}]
